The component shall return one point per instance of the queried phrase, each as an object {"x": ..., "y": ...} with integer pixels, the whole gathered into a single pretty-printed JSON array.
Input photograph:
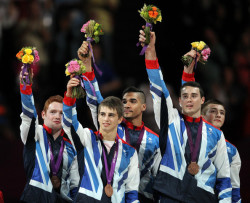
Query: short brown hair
[
  {"x": 211, "y": 101},
  {"x": 113, "y": 103},
  {"x": 56, "y": 98}
]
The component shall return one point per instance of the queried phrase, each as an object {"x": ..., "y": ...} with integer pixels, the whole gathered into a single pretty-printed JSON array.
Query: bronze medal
[
  {"x": 108, "y": 190},
  {"x": 193, "y": 168},
  {"x": 55, "y": 182}
]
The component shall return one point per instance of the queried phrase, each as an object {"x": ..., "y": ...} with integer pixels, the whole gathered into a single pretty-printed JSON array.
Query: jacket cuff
[
  {"x": 152, "y": 64},
  {"x": 27, "y": 91},
  {"x": 89, "y": 75},
  {"x": 188, "y": 76},
  {"x": 68, "y": 100}
]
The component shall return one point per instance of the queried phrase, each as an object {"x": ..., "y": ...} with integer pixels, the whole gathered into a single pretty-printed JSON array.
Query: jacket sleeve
[
  {"x": 70, "y": 121},
  {"x": 235, "y": 177},
  {"x": 221, "y": 162},
  {"x": 94, "y": 97},
  {"x": 187, "y": 77},
  {"x": 159, "y": 92},
  {"x": 74, "y": 178},
  {"x": 133, "y": 180},
  {"x": 28, "y": 116}
]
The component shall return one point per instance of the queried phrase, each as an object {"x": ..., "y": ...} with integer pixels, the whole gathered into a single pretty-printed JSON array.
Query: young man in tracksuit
[{"x": 195, "y": 165}]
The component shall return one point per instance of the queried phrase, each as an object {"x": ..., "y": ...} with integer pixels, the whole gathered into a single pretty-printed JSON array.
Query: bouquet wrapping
[
  {"x": 76, "y": 67},
  {"x": 93, "y": 31},
  {"x": 151, "y": 14},
  {"x": 200, "y": 47},
  {"x": 28, "y": 56}
]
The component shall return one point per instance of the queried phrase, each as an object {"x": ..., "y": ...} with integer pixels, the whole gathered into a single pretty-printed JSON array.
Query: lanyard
[
  {"x": 194, "y": 149},
  {"x": 110, "y": 173},
  {"x": 138, "y": 143},
  {"x": 55, "y": 166}
]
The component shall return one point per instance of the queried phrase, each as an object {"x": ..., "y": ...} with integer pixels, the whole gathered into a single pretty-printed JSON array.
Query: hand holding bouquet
[
  {"x": 92, "y": 32},
  {"x": 77, "y": 68},
  {"x": 28, "y": 56},
  {"x": 151, "y": 14},
  {"x": 202, "y": 48}
]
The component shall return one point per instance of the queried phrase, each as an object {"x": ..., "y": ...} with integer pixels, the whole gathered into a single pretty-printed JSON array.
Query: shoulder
[
  {"x": 149, "y": 131},
  {"x": 231, "y": 148},
  {"x": 212, "y": 130}
]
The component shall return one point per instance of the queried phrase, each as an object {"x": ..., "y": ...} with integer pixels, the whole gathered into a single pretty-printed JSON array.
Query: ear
[
  {"x": 144, "y": 106},
  {"x": 202, "y": 100},
  {"x": 43, "y": 114},
  {"x": 180, "y": 102},
  {"x": 120, "y": 120}
]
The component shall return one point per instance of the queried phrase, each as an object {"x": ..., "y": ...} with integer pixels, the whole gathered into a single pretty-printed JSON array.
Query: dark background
[{"x": 54, "y": 28}]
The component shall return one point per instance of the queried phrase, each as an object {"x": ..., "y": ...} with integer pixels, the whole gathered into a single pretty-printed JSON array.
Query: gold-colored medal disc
[
  {"x": 193, "y": 168},
  {"x": 108, "y": 190}
]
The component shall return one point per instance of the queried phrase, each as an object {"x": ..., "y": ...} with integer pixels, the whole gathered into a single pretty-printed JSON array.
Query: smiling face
[
  {"x": 53, "y": 116},
  {"x": 108, "y": 120},
  {"x": 133, "y": 106},
  {"x": 191, "y": 101},
  {"x": 215, "y": 114}
]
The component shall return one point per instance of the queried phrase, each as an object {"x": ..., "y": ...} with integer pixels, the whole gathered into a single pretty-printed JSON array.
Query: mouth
[
  {"x": 106, "y": 124},
  {"x": 127, "y": 111},
  {"x": 189, "y": 106},
  {"x": 57, "y": 122},
  {"x": 216, "y": 120}
]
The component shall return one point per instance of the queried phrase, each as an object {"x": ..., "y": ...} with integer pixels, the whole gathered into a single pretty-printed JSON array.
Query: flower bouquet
[
  {"x": 28, "y": 56},
  {"x": 92, "y": 32},
  {"x": 76, "y": 67},
  {"x": 151, "y": 14},
  {"x": 200, "y": 47}
]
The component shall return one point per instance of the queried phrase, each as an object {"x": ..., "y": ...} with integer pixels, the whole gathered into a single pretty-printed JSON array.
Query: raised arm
[
  {"x": 71, "y": 125},
  {"x": 93, "y": 93},
  {"x": 29, "y": 115},
  {"x": 161, "y": 99},
  {"x": 188, "y": 72}
]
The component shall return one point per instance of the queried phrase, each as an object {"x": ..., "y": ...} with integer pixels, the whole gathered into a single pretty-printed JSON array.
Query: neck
[
  {"x": 56, "y": 134},
  {"x": 109, "y": 136},
  {"x": 135, "y": 121},
  {"x": 193, "y": 115}
]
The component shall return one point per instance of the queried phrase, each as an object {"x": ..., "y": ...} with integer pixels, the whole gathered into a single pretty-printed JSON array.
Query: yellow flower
[
  {"x": 26, "y": 58},
  {"x": 195, "y": 44},
  {"x": 201, "y": 45},
  {"x": 159, "y": 18},
  {"x": 67, "y": 72},
  {"x": 28, "y": 51},
  {"x": 31, "y": 58}
]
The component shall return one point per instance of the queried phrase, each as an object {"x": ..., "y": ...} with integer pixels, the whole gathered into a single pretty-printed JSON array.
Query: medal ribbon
[
  {"x": 146, "y": 45},
  {"x": 110, "y": 174},
  {"x": 26, "y": 68},
  {"x": 89, "y": 40},
  {"x": 194, "y": 149},
  {"x": 138, "y": 143},
  {"x": 55, "y": 166}
]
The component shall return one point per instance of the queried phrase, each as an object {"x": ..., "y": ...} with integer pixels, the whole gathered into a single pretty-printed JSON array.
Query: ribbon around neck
[
  {"x": 138, "y": 143},
  {"x": 110, "y": 173},
  {"x": 56, "y": 165},
  {"x": 89, "y": 40},
  {"x": 194, "y": 149},
  {"x": 146, "y": 45}
]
